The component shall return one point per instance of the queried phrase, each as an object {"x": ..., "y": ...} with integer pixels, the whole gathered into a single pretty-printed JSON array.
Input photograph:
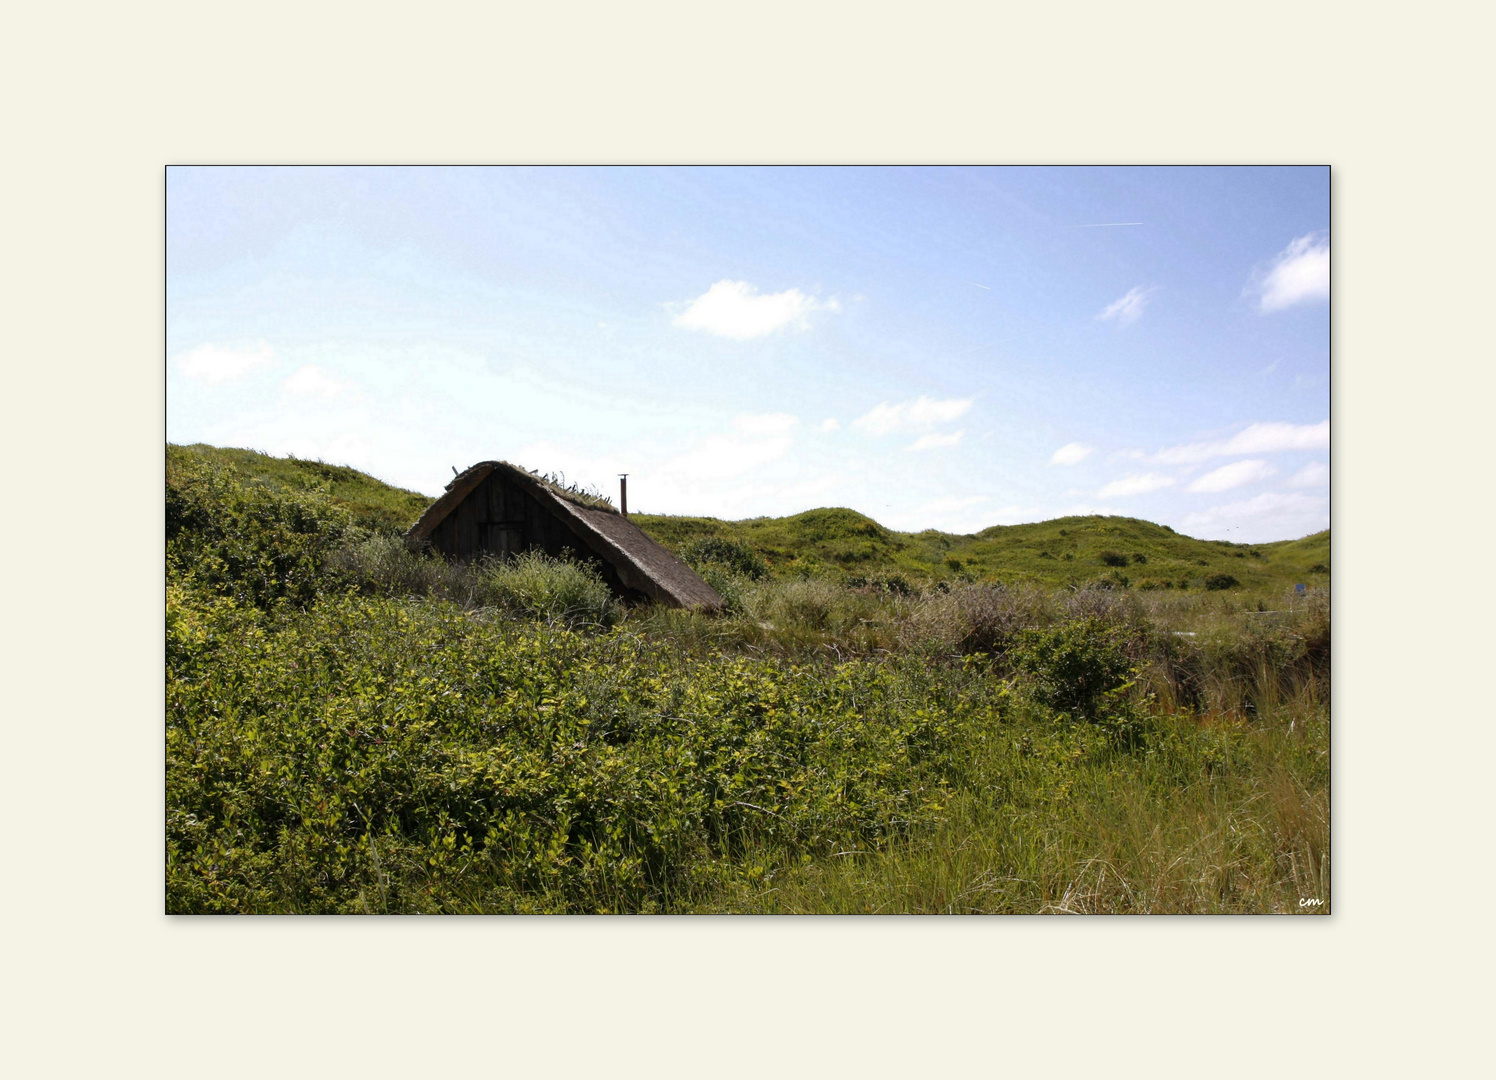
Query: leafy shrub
[
  {"x": 376, "y": 755},
  {"x": 1113, "y": 558},
  {"x": 1139, "y": 557},
  {"x": 1073, "y": 666},
  {"x": 732, "y": 555},
  {"x": 1319, "y": 568},
  {"x": 244, "y": 539},
  {"x": 731, "y": 587},
  {"x": 954, "y": 563},
  {"x": 1220, "y": 581},
  {"x": 896, "y": 584}
]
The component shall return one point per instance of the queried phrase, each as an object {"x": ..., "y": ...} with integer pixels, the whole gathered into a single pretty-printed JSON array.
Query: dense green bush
[
  {"x": 731, "y": 555},
  {"x": 1113, "y": 558},
  {"x": 1220, "y": 582},
  {"x": 1074, "y": 666},
  {"x": 246, "y": 540},
  {"x": 374, "y": 755},
  {"x": 733, "y": 588},
  {"x": 896, "y": 584}
]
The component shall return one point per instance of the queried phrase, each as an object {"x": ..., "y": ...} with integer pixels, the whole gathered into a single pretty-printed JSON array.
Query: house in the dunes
[{"x": 499, "y": 509}]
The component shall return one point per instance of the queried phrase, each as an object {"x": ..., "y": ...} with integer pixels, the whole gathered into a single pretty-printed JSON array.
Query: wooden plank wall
[{"x": 500, "y": 518}]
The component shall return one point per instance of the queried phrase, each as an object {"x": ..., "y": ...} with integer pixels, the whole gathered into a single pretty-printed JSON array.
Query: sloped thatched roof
[{"x": 640, "y": 563}]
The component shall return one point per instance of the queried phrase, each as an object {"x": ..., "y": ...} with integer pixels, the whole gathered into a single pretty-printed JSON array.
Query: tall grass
[
  {"x": 1197, "y": 651},
  {"x": 529, "y": 585},
  {"x": 1212, "y": 818}
]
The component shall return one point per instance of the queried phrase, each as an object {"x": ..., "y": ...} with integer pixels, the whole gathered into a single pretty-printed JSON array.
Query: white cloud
[
  {"x": 754, "y": 441},
  {"x": 916, "y": 415},
  {"x": 764, "y": 425},
  {"x": 1260, "y": 520},
  {"x": 1071, "y": 454},
  {"x": 312, "y": 381},
  {"x": 931, "y": 442},
  {"x": 735, "y": 309},
  {"x": 221, "y": 363},
  {"x": 348, "y": 448},
  {"x": 1265, "y": 438},
  {"x": 598, "y": 471},
  {"x": 949, "y": 504},
  {"x": 743, "y": 469},
  {"x": 829, "y": 424},
  {"x": 1129, "y": 308},
  {"x": 1315, "y": 474},
  {"x": 1299, "y": 272},
  {"x": 1234, "y": 475},
  {"x": 974, "y": 520},
  {"x": 953, "y": 514},
  {"x": 1135, "y": 484}
]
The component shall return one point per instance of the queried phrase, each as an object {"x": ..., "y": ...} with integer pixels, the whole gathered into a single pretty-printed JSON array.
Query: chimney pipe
[{"x": 623, "y": 494}]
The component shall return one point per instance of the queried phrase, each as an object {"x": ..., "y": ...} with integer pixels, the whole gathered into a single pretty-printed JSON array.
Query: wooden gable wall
[{"x": 500, "y": 518}]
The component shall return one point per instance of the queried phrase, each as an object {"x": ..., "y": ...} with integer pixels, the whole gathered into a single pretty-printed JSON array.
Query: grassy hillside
[
  {"x": 369, "y": 502},
  {"x": 849, "y": 547},
  {"x": 355, "y": 727},
  {"x": 1113, "y": 551}
]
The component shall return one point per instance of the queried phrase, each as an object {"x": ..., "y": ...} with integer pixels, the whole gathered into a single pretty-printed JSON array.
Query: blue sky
[{"x": 937, "y": 348}]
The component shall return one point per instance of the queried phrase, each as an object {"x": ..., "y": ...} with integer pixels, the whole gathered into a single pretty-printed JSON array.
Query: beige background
[{"x": 99, "y": 98}]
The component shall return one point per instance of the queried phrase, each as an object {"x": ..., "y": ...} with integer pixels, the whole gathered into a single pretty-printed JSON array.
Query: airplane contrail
[
  {"x": 978, "y": 286},
  {"x": 1108, "y": 224}
]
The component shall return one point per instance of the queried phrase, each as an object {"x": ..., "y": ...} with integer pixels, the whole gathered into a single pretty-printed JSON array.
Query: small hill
[
  {"x": 1119, "y": 551},
  {"x": 845, "y": 545},
  {"x": 371, "y": 503}
]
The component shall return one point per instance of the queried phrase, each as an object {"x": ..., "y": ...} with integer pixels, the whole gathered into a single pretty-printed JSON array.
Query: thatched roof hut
[{"x": 500, "y": 509}]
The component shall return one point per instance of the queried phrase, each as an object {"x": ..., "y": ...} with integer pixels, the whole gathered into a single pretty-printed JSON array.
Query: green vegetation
[
  {"x": 366, "y": 501},
  {"x": 353, "y": 727},
  {"x": 1068, "y": 552}
]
